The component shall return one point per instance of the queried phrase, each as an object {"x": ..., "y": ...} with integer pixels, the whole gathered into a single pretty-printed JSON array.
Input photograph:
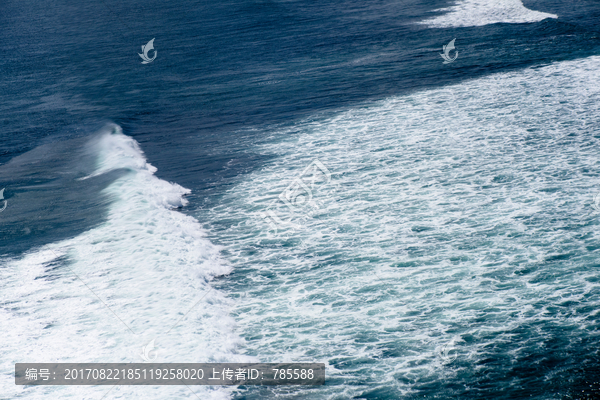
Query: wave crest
[{"x": 484, "y": 12}]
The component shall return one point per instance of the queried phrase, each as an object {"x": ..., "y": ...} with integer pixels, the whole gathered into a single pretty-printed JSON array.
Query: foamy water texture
[
  {"x": 485, "y": 12},
  {"x": 463, "y": 216},
  {"x": 101, "y": 296}
]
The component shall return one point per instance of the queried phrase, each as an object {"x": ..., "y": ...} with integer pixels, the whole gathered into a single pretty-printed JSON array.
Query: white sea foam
[
  {"x": 484, "y": 12},
  {"x": 454, "y": 208},
  {"x": 99, "y": 297}
]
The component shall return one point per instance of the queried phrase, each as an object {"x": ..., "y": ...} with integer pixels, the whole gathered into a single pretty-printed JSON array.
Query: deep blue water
[
  {"x": 232, "y": 68},
  {"x": 241, "y": 97}
]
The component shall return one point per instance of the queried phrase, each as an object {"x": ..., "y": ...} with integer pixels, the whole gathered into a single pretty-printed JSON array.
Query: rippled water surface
[{"x": 293, "y": 181}]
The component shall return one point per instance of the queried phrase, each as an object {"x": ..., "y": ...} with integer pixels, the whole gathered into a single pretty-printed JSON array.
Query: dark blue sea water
[{"x": 439, "y": 236}]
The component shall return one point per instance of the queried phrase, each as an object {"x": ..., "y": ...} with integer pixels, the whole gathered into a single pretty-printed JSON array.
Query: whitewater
[
  {"x": 102, "y": 296},
  {"x": 458, "y": 220},
  {"x": 467, "y": 13}
]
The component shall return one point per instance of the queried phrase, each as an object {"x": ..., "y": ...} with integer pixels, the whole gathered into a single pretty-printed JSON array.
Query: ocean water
[{"x": 293, "y": 181}]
